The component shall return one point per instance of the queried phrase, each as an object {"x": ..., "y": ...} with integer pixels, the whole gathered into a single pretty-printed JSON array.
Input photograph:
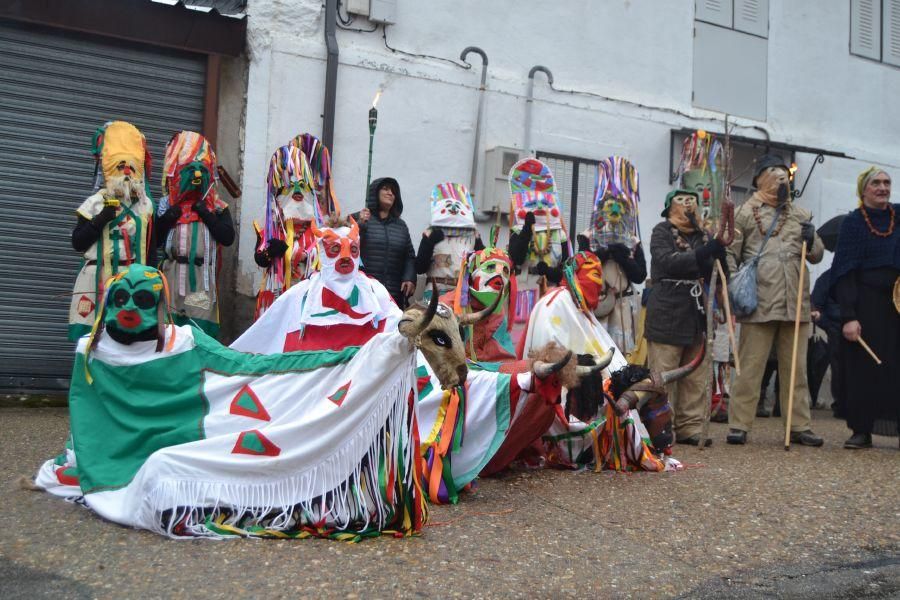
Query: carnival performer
[
  {"x": 770, "y": 209},
  {"x": 586, "y": 429},
  {"x": 681, "y": 259},
  {"x": 865, "y": 275},
  {"x": 194, "y": 223},
  {"x": 538, "y": 242},
  {"x": 614, "y": 236},
  {"x": 174, "y": 433},
  {"x": 387, "y": 250},
  {"x": 298, "y": 191},
  {"x": 450, "y": 237},
  {"x": 336, "y": 307},
  {"x": 115, "y": 224}
]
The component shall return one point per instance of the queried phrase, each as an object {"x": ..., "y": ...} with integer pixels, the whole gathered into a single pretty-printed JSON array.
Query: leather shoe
[
  {"x": 736, "y": 436},
  {"x": 858, "y": 441},
  {"x": 694, "y": 440},
  {"x": 806, "y": 438}
]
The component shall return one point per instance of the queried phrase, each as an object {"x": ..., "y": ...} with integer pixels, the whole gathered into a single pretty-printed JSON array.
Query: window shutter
[
  {"x": 717, "y": 12},
  {"x": 752, "y": 16},
  {"x": 891, "y": 32},
  {"x": 865, "y": 28}
]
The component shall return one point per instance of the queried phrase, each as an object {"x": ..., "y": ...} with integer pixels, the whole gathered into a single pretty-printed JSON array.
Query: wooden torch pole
[{"x": 790, "y": 406}]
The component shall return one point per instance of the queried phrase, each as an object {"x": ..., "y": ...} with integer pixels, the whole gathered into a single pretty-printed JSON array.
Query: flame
[
  {"x": 792, "y": 170},
  {"x": 376, "y": 98}
]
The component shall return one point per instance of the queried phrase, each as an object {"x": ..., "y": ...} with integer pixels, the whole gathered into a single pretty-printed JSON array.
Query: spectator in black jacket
[{"x": 386, "y": 250}]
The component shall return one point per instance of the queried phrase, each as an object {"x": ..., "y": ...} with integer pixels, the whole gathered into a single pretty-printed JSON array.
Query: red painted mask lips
[
  {"x": 496, "y": 283},
  {"x": 344, "y": 266},
  {"x": 128, "y": 319}
]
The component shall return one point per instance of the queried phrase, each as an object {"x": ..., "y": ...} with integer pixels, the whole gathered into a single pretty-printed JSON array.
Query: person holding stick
[
  {"x": 768, "y": 224},
  {"x": 865, "y": 276}
]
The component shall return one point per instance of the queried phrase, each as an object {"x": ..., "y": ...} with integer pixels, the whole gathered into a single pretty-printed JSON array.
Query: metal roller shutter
[{"x": 56, "y": 88}]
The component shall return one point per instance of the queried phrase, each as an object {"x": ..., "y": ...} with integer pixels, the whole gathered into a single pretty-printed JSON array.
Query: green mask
[
  {"x": 189, "y": 179},
  {"x": 490, "y": 279},
  {"x": 132, "y": 301}
]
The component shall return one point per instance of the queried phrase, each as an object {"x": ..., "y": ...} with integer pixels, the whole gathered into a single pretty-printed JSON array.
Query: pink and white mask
[
  {"x": 451, "y": 206},
  {"x": 338, "y": 251}
]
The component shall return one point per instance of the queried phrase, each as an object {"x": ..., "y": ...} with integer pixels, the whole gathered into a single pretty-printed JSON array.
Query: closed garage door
[{"x": 56, "y": 88}]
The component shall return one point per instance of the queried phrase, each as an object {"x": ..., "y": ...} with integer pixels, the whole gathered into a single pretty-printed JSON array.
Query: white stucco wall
[{"x": 636, "y": 53}]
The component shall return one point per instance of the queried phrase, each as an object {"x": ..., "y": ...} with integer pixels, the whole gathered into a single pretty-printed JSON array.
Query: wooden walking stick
[
  {"x": 710, "y": 326},
  {"x": 728, "y": 322},
  {"x": 865, "y": 346},
  {"x": 790, "y": 406}
]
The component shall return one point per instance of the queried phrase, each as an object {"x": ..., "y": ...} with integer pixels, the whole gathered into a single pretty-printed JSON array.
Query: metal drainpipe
[
  {"x": 331, "y": 68},
  {"x": 484, "y": 64},
  {"x": 529, "y": 101}
]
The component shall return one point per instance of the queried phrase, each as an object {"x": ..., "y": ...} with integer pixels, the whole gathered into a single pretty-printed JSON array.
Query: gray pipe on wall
[
  {"x": 331, "y": 68},
  {"x": 529, "y": 101}
]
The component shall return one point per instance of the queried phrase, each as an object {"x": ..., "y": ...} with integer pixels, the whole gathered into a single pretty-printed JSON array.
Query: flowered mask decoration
[
  {"x": 701, "y": 171},
  {"x": 584, "y": 279},
  {"x": 614, "y": 219},
  {"x": 121, "y": 154},
  {"x": 451, "y": 206},
  {"x": 190, "y": 175},
  {"x": 533, "y": 190}
]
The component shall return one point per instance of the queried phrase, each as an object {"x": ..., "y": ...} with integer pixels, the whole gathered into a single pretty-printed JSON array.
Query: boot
[
  {"x": 736, "y": 436},
  {"x": 806, "y": 438},
  {"x": 858, "y": 441}
]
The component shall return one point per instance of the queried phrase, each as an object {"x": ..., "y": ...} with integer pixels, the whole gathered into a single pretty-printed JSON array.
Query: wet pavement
[{"x": 743, "y": 522}]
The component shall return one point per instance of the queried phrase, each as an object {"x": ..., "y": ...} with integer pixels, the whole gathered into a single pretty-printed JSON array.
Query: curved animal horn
[
  {"x": 315, "y": 230},
  {"x": 422, "y": 322},
  {"x": 601, "y": 363},
  {"x": 472, "y": 318},
  {"x": 354, "y": 229},
  {"x": 684, "y": 370},
  {"x": 544, "y": 369}
]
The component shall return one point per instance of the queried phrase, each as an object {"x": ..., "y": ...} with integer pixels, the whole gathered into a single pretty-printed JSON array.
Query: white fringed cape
[{"x": 201, "y": 440}]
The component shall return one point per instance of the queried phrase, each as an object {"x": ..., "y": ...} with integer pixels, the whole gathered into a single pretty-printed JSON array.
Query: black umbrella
[
  {"x": 829, "y": 232},
  {"x": 816, "y": 365}
]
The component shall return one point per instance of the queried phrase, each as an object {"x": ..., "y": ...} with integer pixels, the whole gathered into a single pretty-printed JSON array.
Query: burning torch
[{"x": 373, "y": 122}]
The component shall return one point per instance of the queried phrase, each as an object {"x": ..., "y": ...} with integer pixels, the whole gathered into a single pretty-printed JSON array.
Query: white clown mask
[
  {"x": 451, "y": 206},
  {"x": 338, "y": 252}
]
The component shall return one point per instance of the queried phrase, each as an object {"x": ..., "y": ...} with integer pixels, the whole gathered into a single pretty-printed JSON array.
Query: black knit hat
[{"x": 768, "y": 160}]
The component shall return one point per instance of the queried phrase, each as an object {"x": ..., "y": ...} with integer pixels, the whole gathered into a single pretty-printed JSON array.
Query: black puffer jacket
[{"x": 386, "y": 249}]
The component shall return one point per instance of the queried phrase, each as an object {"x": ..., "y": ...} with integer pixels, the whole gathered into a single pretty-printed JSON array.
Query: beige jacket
[{"x": 778, "y": 273}]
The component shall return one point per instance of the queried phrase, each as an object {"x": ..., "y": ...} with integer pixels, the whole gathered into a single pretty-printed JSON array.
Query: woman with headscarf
[{"x": 865, "y": 274}]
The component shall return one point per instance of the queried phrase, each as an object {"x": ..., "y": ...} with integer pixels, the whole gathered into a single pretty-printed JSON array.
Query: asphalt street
[{"x": 738, "y": 522}]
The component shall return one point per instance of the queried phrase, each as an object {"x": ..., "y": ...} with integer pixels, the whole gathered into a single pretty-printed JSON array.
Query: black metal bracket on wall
[{"x": 820, "y": 158}]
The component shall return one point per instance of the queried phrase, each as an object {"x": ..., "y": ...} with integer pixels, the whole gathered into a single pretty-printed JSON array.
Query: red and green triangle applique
[
  {"x": 67, "y": 476},
  {"x": 246, "y": 404},
  {"x": 338, "y": 396},
  {"x": 254, "y": 443}
]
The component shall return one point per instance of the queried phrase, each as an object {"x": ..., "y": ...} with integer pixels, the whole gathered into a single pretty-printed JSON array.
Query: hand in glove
[
  {"x": 199, "y": 207},
  {"x": 276, "y": 248},
  {"x": 172, "y": 214},
  {"x": 710, "y": 249},
  {"x": 434, "y": 236},
  {"x": 619, "y": 253},
  {"x": 541, "y": 268},
  {"x": 808, "y": 233},
  {"x": 529, "y": 222},
  {"x": 104, "y": 216}
]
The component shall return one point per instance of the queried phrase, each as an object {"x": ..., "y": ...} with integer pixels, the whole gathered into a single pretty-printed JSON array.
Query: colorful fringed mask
[
  {"x": 702, "y": 172},
  {"x": 614, "y": 219},
  {"x": 319, "y": 160},
  {"x": 290, "y": 185},
  {"x": 190, "y": 175},
  {"x": 584, "y": 279},
  {"x": 533, "y": 190},
  {"x": 451, "y": 206}
]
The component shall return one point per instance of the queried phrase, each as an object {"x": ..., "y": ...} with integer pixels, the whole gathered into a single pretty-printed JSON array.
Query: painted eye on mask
[
  {"x": 142, "y": 298},
  {"x": 333, "y": 250},
  {"x": 440, "y": 339},
  {"x": 354, "y": 250}
]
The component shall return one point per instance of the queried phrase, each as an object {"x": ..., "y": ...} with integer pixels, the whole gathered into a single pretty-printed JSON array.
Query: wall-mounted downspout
[
  {"x": 475, "y": 148},
  {"x": 529, "y": 101},
  {"x": 331, "y": 68}
]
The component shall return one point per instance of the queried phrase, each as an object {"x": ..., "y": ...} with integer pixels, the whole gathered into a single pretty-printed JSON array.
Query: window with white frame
[
  {"x": 731, "y": 56},
  {"x": 875, "y": 30}
]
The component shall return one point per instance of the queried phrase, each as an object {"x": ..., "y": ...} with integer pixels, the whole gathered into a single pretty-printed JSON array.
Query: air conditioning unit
[{"x": 498, "y": 161}]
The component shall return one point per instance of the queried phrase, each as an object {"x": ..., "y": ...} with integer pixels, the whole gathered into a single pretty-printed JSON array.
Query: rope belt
[
  {"x": 696, "y": 290},
  {"x": 451, "y": 281}
]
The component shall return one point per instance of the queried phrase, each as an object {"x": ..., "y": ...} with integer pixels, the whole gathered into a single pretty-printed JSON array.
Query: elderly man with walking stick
[{"x": 771, "y": 229}]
